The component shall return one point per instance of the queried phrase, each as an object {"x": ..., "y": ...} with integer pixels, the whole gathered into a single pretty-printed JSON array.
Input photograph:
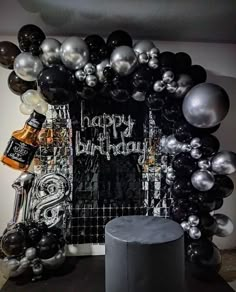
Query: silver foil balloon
[
  {"x": 203, "y": 180},
  {"x": 144, "y": 46},
  {"x": 31, "y": 253},
  {"x": 123, "y": 60},
  {"x": 204, "y": 164},
  {"x": 27, "y": 67},
  {"x": 154, "y": 52},
  {"x": 74, "y": 53},
  {"x": 138, "y": 96},
  {"x": 91, "y": 80},
  {"x": 153, "y": 63},
  {"x": 205, "y": 105},
  {"x": 80, "y": 75},
  {"x": 224, "y": 225},
  {"x": 143, "y": 58},
  {"x": 195, "y": 233},
  {"x": 99, "y": 69},
  {"x": 193, "y": 220},
  {"x": 185, "y": 225},
  {"x": 170, "y": 145},
  {"x": 224, "y": 162},
  {"x": 196, "y": 143},
  {"x": 196, "y": 153},
  {"x": 159, "y": 86},
  {"x": 56, "y": 261},
  {"x": 186, "y": 148},
  {"x": 50, "y": 52},
  {"x": 168, "y": 76},
  {"x": 171, "y": 87},
  {"x": 89, "y": 69}
]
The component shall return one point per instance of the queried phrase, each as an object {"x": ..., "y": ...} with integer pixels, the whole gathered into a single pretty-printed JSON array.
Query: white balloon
[
  {"x": 41, "y": 107},
  {"x": 31, "y": 97},
  {"x": 26, "y": 109}
]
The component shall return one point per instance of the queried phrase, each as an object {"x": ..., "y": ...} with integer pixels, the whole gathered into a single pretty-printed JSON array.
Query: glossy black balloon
[
  {"x": 208, "y": 225},
  {"x": 223, "y": 187},
  {"x": 182, "y": 62},
  {"x": 48, "y": 246},
  {"x": 167, "y": 60},
  {"x": 8, "y": 53},
  {"x": 94, "y": 42},
  {"x": 198, "y": 74},
  {"x": 97, "y": 48},
  {"x": 142, "y": 79},
  {"x": 30, "y": 38},
  {"x": 118, "y": 38},
  {"x": 34, "y": 235},
  {"x": 181, "y": 187},
  {"x": 57, "y": 85},
  {"x": 13, "y": 242},
  {"x": 184, "y": 164},
  {"x": 203, "y": 259},
  {"x": 210, "y": 145},
  {"x": 178, "y": 213},
  {"x": 155, "y": 101},
  {"x": 184, "y": 132},
  {"x": 172, "y": 110},
  {"x": 206, "y": 131},
  {"x": 218, "y": 203},
  {"x": 109, "y": 74},
  {"x": 19, "y": 86}
]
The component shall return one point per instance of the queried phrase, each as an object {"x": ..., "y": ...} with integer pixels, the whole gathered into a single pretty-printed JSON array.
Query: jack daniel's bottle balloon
[{"x": 24, "y": 143}]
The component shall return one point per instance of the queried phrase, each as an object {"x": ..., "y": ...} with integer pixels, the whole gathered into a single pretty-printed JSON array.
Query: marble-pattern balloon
[
  {"x": 224, "y": 162},
  {"x": 205, "y": 105},
  {"x": 143, "y": 46},
  {"x": 224, "y": 225},
  {"x": 50, "y": 52},
  {"x": 123, "y": 60},
  {"x": 74, "y": 53},
  {"x": 27, "y": 67},
  {"x": 203, "y": 180}
]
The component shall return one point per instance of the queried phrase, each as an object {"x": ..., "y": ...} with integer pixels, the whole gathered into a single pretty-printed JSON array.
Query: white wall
[{"x": 218, "y": 59}]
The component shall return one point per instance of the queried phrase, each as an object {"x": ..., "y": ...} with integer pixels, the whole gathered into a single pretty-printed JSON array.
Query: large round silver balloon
[
  {"x": 100, "y": 67},
  {"x": 27, "y": 67},
  {"x": 144, "y": 46},
  {"x": 123, "y": 60},
  {"x": 50, "y": 52},
  {"x": 205, "y": 105},
  {"x": 224, "y": 225},
  {"x": 74, "y": 53},
  {"x": 203, "y": 180},
  {"x": 224, "y": 162}
]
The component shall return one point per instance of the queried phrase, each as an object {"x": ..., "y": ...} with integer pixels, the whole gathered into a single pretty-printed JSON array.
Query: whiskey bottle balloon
[{"x": 24, "y": 143}]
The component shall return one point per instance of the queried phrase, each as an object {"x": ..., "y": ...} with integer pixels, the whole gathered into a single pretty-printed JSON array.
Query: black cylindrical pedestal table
[{"x": 144, "y": 254}]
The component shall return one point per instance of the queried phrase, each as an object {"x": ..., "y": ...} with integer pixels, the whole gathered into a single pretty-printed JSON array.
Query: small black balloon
[
  {"x": 48, "y": 246},
  {"x": 57, "y": 85},
  {"x": 19, "y": 86},
  {"x": 142, "y": 79},
  {"x": 13, "y": 242},
  {"x": 155, "y": 101},
  {"x": 181, "y": 187},
  {"x": 8, "y": 53},
  {"x": 109, "y": 74},
  {"x": 210, "y": 145},
  {"x": 223, "y": 187},
  {"x": 198, "y": 74},
  {"x": 118, "y": 38},
  {"x": 167, "y": 60},
  {"x": 184, "y": 132},
  {"x": 182, "y": 62},
  {"x": 178, "y": 213},
  {"x": 184, "y": 164}
]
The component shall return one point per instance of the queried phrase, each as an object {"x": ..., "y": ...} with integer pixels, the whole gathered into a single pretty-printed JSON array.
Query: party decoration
[
  {"x": 100, "y": 69},
  {"x": 184, "y": 164},
  {"x": 13, "y": 243},
  {"x": 19, "y": 86},
  {"x": 50, "y": 52},
  {"x": 97, "y": 48},
  {"x": 224, "y": 225},
  {"x": 27, "y": 67},
  {"x": 74, "y": 53},
  {"x": 191, "y": 228},
  {"x": 205, "y": 105},
  {"x": 202, "y": 180},
  {"x": 224, "y": 162},
  {"x": 118, "y": 38},
  {"x": 8, "y": 53}
]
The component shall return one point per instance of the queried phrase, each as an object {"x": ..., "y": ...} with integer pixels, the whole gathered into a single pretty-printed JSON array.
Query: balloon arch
[{"x": 120, "y": 75}]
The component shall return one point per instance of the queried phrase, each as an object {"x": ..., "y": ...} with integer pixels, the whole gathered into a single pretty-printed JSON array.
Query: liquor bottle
[{"x": 24, "y": 143}]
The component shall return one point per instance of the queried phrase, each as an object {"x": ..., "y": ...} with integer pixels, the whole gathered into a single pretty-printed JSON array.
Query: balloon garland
[{"x": 189, "y": 111}]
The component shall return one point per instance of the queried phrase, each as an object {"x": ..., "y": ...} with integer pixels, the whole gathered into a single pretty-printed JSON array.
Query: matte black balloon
[
  {"x": 167, "y": 60},
  {"x": 57, "y": 85},
  {"x": 184, "y": 164},
  {"x": 210, "y": 145},
  {"x": 203, "y": 259},
  {"x": 182, "y": 62},
  {"x": 184, "y": 132},
  {"x": 19, "y": 86},
  {"x": 155, "y": 101},
  {"x": 97, "y": 48},
  {"x": 30, "y": 38},
  {"x": 142, "y": 78},
  {"x": 198, "y": 74},
  {"x": 223, "y": 187},
  {"x": 48, "y": 246},
  {"x": 13, "y": 242},
  {"x": 88, "y": 93},
  {"x": 8, "y": 53},
  {"x": 181, "y": 188},
  {"x": 208, "y": 225},
  {"x": 118, "y": 38}
]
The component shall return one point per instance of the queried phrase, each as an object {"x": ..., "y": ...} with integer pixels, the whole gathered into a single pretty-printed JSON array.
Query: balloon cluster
[{"x": 31, "y": 245}]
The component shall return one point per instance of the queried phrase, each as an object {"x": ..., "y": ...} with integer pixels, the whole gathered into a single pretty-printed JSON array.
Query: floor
[{"x": 228, "y": 271}]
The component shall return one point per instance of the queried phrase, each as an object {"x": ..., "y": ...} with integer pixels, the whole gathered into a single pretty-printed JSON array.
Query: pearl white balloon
[
  {"x": 224, "y": 162},
  {"x": 50, "y": 51},
  {"x": 26, "y": 109},
  {"x": 224, "y": 225},
  {"x": 203, "y": 180},
  {"x": 41, "y": 107},
  {"x": 31, "y": 97},
  {"x": 27, "y": 67},
  {"x": 143, "y": 46}
]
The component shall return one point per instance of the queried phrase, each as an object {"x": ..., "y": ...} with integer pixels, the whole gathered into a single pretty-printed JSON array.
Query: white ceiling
[{"x": 186, "y": 20}]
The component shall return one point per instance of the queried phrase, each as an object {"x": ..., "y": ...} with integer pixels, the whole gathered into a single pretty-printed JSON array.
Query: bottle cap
[{"x": 36, "y": 120}]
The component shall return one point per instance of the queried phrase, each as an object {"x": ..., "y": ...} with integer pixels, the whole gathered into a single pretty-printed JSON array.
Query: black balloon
[
  {"x": 19, "y": 86},
  {"x": 181, "y": 188},
  {"x": 184, "y": 164},
  {"x": 182, "y": 62},
  {"x": 109, "y": 74},
  {"x": 30, "y": 38},
  {"x": 57, "y": 85},
  {"x": 167, "y": 60},
  {"x": 210, "y": 145},
  {"x": 118, "y": 38},
  {"x": 97, "y": 48},
  {"x": 8, "y": 53},
  {"x": 218, "y": 203},
  {"x": 179, "y": 213},
  {"x": 203, "y": 259},
  {"x": 172, "y": 110},
  {"x": 34, "y": 235},
  {"x": 206, "y": 131},
  {"x": 184, "y": 132},
  {"x": 48, "y": 246},
  {"x": 142, "y": 79},
  {"x": 120, "y": 91},
  {"x": 155, "y": 101},
  {"x": 223, "y": 187},
  {"x": 198, "y": 74},
  {"x": 208, "y": 225},
  {"x": 13, "y": 242}
]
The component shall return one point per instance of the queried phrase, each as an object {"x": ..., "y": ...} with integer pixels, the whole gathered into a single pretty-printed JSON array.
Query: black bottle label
[{"x": 19, "y": 151}]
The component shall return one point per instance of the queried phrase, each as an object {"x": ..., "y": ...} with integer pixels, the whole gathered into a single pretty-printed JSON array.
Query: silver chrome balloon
[
  {"x": 99, "y": 69},
  {"x": 123, "y": 60},
  {"x": 185, "y": 225},
  {"x": 74, "y": 53},
  {"x": 168, "y": 76},
  {"x": 184, "y": 84},
  {"x": 27, "y": 67},
  {"x": 143, "y": 58},
  {"x": 196, "y": 153},
  {"x": 205, "y": 105},
  {"x": 193, "y": 220},
  {"x": 196, "y": 143},
  {"x": 91, "y": 80},
  {"x": 171, "y": 87},
  {"x": 154, "y": 52},
  {"x": 195, "y": 233},
  {"x": 50, "y": 52},
  {"x": 170, "y": 145},
  {"x": 138, "y": 96},
  {"x": 186, "y": 148},
  {"x": 89, "y": 69},
  {"x": 80, "y": 75},
  {"x": 203, "y": 180},
  {"x": 170, "y": 176},
  {"x": 159, "y": 86},
  {"x": 143, "y": 46},
  {"x": 224, "y": 225},
  {"x": 204, "y": 164},
  {"x": 153, "y": 63},
  {"x": 224, "y": 162}
]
